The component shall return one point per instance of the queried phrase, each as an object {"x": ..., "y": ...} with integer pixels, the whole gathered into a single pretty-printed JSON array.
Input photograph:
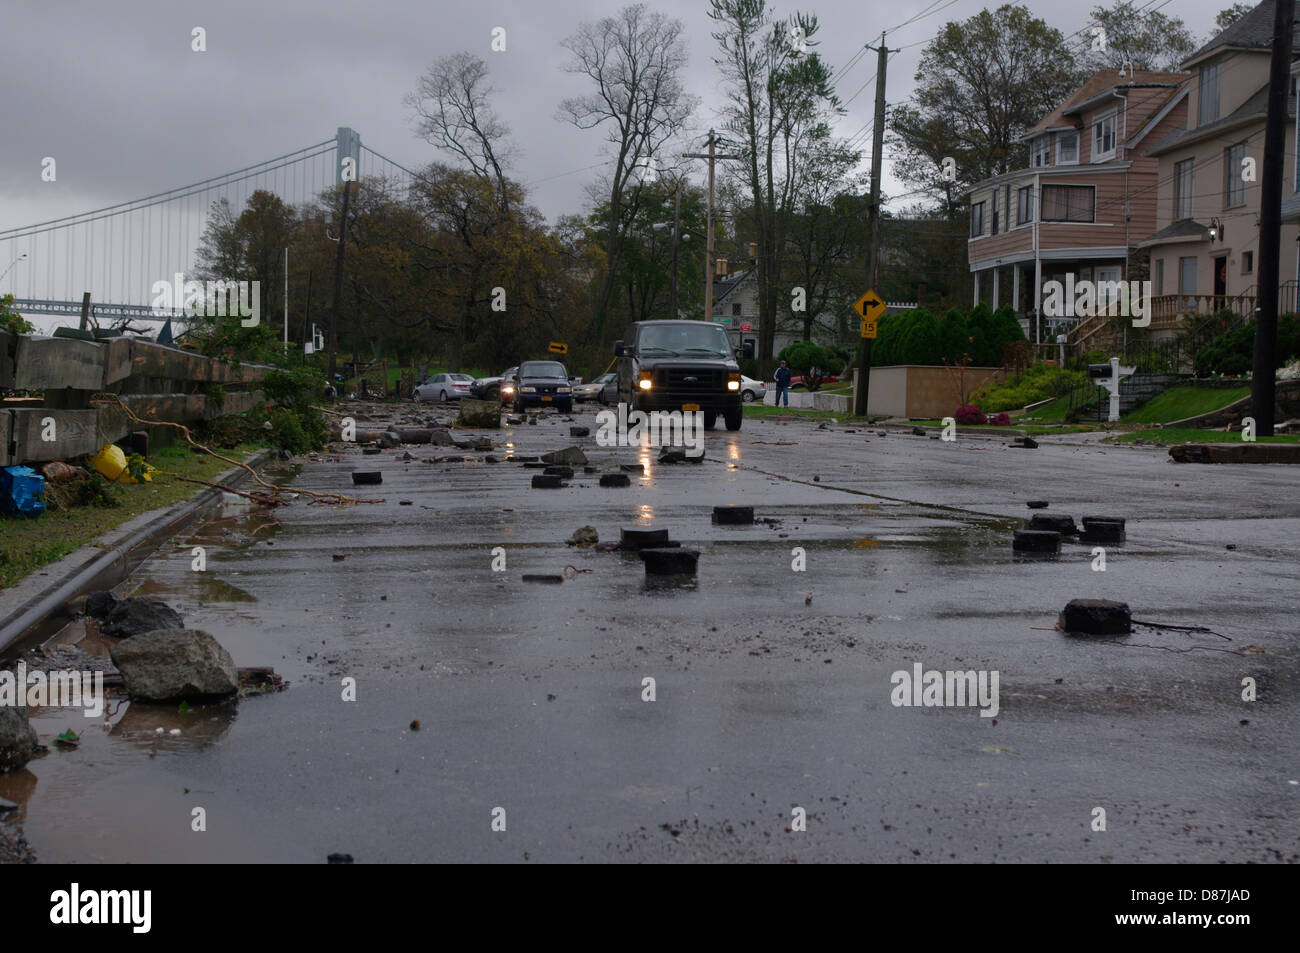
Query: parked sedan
[
  {"x": 751, "y": 390},
  {"x": 444, "y": 387},
  {"x": 541, "y": 384},
  {"x": 591, "y": 390}
]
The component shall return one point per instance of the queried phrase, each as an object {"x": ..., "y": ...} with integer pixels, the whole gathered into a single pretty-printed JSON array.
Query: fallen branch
[{"x": 335, "y": 499}]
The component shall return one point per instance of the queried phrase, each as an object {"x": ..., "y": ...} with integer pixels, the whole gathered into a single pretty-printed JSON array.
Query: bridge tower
[{"x": 347, "y": 145}]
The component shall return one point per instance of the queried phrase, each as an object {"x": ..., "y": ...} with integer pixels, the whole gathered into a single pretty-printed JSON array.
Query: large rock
[
  {"x": 139, "y": 614},
  {"x": 569, "y": 456},
  {"x": 1095, "y": 617},
  {"x": 479, "y": 413},
  {"x": 16, "y": 736},
  {"x": 171, "y": 664}
]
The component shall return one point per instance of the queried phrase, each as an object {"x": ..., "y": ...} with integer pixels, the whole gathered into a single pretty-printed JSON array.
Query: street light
[{"x": 22, "y": 257}]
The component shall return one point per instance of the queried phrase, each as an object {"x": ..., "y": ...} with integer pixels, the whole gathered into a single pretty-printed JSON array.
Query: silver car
[
  {"x": 592, "y": 389},
  {"x": 751, "y": 390},
  {"x": 444, "y": 387}
]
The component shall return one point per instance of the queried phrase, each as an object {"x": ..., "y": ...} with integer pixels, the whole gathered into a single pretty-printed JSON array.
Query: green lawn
[
  {"x": 761, "y": 410},
  {"x": 28, "y": 544},
  {"x": 1179, "y": 403},
  {"x": 1168, "y": 436}
]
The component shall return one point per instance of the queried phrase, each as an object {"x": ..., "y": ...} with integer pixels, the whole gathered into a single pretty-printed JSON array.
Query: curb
[{"x": 47, "y": 612}]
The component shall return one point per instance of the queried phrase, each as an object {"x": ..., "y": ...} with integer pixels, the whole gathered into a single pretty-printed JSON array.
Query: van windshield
[{"x": 696, "y": 338}]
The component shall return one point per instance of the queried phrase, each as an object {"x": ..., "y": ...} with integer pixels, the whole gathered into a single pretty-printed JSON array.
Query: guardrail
[{"x": 155, "y": 381}]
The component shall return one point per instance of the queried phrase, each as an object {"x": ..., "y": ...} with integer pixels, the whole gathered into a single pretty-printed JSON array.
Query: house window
[
  {"x": 1069, "y": 203},
  {"x": 1067, "y": 148},
  {"x": 735, "y": 309},
  {"x": 1234, "y": 189},
  {"x": 1159, "y": 276},
  {"x": 1025, "y": 205},
  {"x": 1248, "y": 263},
  {"x": 976, "y": 219},
  {"x": 1103, "y": 138},
  {"x": 1039, "y": 151},
  {"x": 1208, "y": 94},
  {"x": 995, "y": 210},
  {"x": 1187, "y": 276},
  {"x": 1183, "y": 189}
]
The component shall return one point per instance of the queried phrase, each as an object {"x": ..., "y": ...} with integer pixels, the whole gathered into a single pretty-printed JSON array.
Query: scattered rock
[
  {"x": 1037, "y": 504},
  {"x": 366, "y": 477},
  {"x": 615, "y": 479},
  {"x": 569, "y": 456},
  {"x": 479, "y": 413},
  {"x": 403, "y": 502},
  {"x": 579, "y": 431},
  {"x": 415, "y": 725},
  {"x": 388, "y": 440},
  {"x": 533, "y": 420},
  {"x": 1102, "y": 529},
  {"x": 1095, "y": 617},
  {"x": 370, "y": 451},
  {"x": 17, "y": 737},
  {"x": 1025, "y": 443},
  {"x": 100, "y": 604},
  {"x": 514, "y": 420},
  {"x": 549, "y": 578},
  {"x": 547, "y": 482},
  {"x": 632, "y": 467},
  {"x": 674, "y": 455},
  {"x": 169, "y": 664},
  {"x": 1061, "y": 524},
  {"x": 339, "y": 557},
  {"x": 1036, "y": 541},
  {"x": 564, "y": 473},
  {"x": 642, "y": 538},
  {"x": 139, "y": 614},
  {"x": 733, "y": 515},
  {"x": 583, "y": 536},
  {"x": 669, "y": 561},
  {"x": 919, "y": 432},
  {"x": 339, "y": 859}
]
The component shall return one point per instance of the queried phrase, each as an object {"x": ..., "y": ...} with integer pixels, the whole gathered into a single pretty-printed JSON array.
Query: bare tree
[
  {"x": 635, "y": 60},
  {"x": 454, "y": 114}
]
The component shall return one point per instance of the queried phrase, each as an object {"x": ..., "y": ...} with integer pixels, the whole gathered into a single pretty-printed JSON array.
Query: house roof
[
  {"x": 1180, "y": 231},
  {"x": 725, "y": 286},
  {"x": 1254, "y": 31},
  {"x": 1254, "y": 109},
  {"x": 1291, "y": 210},
  {"x": 1095, "y": 87}
]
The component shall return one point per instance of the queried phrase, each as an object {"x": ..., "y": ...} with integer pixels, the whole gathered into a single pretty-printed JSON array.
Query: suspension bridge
[{"x": 117, "y": 253}]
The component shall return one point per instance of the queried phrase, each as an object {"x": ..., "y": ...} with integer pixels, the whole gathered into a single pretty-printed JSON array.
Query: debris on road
[
  {"x": 733, "y": 515},
  {"x": 579, "y": 431},
  {"x": 1102, "y": 529},
  {"x": 1036, "y": 541},
  {"x": 138, "y": 614},
  {"x": 615, "y": 479},
  {"x": 170, "y": 664},
  {"x": 642, "y": 538},
  {"x": 366, "y": 477},
  {"x": 544, "y": 481},
  {"x": 1095, "y": 617},
  {"x": 1061, "y": 524},
  {"x": 569, "y": 456},
  {"x": 17, "y": 738},
  {"x": 1037, "y": 504},
  {"x": 670, "y": 562},
  {"x": 543, "y": 577},
  {"x": 583, "y": 536},
  {"x": 479, "y": 413}
]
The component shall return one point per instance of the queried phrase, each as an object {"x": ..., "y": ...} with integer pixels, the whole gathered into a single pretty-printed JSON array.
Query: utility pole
[
  {"x": 712, "y": 156},
  {"x": 338, "y": 281},
  {"x": 873, "y": 227},
  {"x": 677, "y": 231},
  {"x": 1262, "y": 387},
  {"x": 286, "y": 299}
]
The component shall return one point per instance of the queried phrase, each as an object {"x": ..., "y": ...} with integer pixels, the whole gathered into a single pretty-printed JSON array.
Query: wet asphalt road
[{"x": 772, "y": 686}]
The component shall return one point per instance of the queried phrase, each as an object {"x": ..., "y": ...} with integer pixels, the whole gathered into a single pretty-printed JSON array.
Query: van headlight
[
  {"x": 733, "y": 381},
  {"x": 528, "y": 390},
  {"x": 646, "y": 380}
]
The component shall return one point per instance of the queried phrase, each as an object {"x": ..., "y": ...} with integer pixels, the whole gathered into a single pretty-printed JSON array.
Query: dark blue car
[{"x": 543, "y": 384}]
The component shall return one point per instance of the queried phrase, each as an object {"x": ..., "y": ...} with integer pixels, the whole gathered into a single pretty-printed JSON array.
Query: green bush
[
  {"x": 804, "y": 355},
  {"x": 1039, "y": 382},
  {"x": 1233, "y": 354},
  {"x": 979, "y": 338}
]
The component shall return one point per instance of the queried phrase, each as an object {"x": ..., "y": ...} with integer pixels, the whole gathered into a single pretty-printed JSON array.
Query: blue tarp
[{"x": 21, "y": 489}]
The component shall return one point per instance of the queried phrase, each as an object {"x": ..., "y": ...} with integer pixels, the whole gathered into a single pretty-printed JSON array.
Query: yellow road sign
[
  {"x": 868, "y": 328},
  {"x": 870, "y": 306},
  {"x": 557, "y": 348}
]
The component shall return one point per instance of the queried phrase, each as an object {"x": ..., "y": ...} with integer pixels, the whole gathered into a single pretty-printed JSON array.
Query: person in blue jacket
[{"x": 782, "y": 385}]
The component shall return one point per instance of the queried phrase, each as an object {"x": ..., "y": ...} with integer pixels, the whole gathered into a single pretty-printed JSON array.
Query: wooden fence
[{"x": 156, "y": 381}]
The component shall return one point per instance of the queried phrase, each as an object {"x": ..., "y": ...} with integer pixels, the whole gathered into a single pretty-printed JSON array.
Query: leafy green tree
[
  {"x": 1145, "y": 37},
  {"x": 11, "y": 320},
  {"x": 1226, "y": 18},
  {"x": 981, "y": 83}
]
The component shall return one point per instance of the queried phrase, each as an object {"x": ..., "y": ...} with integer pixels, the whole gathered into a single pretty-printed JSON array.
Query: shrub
[
  {"x": 1233, "y": 354},
  {"x": 967, "y": 414},
  {"x": 920, "y": 337},
  {"x": 1039, "y": 382},
  {"x": 1001, "y": 420}
]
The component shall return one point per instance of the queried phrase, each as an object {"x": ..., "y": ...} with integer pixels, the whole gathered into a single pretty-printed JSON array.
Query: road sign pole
[{"x": 877, "y": 150}]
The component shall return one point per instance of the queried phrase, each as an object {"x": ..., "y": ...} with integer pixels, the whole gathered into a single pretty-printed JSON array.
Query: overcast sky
[{"x": 113, "y": 91}]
